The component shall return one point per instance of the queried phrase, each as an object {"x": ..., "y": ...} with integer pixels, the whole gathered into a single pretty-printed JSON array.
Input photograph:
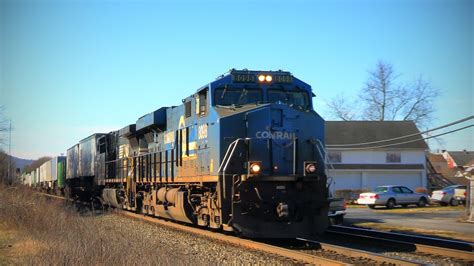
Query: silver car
[
  {"x": 390, "y": 196},
  {"x": 452, "y": 195}
]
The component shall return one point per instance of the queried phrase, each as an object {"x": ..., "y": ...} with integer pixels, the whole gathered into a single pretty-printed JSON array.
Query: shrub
[
  {"x": 421, "y": 190},
  {"x": 350, "y": 195}
]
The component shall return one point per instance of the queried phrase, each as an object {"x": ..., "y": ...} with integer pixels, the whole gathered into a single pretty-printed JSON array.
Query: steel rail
[
  {"x": 52, "y": 196},
  {"x": 360, "y": 253},
  {"x": 442, "y": 247},
  {"x": 245, "y": 243}
]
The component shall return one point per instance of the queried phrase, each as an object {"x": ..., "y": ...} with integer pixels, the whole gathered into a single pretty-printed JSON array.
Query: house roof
[
  {"x": 437, "y": 158},
  {"x": 378, "y": 167},
  {"x": 462, "y": 158},
  {"x": 350, "y": 132}
]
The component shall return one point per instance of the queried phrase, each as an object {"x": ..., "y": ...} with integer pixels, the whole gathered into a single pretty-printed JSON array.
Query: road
[{"x": 439, "y": 220}]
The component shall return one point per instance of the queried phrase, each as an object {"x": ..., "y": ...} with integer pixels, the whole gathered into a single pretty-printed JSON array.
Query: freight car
[
  {"x": 243, "y": 154},
  {"x": 50, "y": 176}
]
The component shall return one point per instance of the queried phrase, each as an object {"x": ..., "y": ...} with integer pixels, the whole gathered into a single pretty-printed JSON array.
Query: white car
[
  {"x": 390, "y": 196},
  {"x": 452, "y": 195}
]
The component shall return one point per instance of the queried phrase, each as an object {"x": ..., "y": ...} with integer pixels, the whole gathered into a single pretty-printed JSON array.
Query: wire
[
  {"x": 403, "y": 137},
  {"x": 404, "y": 142}
]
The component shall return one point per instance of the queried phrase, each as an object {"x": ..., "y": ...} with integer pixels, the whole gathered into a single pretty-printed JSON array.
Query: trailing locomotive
[{"x": 243, "y": 154}]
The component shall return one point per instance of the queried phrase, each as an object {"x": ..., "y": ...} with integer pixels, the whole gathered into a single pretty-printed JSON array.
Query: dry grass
[
  {"x": 356, "y": 206},
  {"x": 427, "y": 209},
  {"x": 411, "y": 208},
  {"x": 406, "y": 229},
  {"x": 43, "y": 231}
]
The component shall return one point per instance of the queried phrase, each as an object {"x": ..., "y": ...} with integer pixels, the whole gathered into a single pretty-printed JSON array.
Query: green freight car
[
  {"x": 61, "y": 175},
  {"x": 58, "y": 172}
]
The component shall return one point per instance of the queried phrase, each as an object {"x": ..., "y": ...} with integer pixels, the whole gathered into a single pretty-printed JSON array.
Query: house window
[
  {"x": 394, "y": 157},
  {"x": 334, "y": 157}
]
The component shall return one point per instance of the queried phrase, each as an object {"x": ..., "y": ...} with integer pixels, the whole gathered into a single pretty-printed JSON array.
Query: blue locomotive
[{"x": 243, "y": 154}]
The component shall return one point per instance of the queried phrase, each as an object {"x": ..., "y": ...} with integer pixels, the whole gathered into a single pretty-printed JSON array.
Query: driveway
[{"x": 437, "y": 220}]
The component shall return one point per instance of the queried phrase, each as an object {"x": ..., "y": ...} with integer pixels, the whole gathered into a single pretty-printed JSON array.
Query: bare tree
[
  {"x": 3, "y": 126},
  {"x": 342, "y": 108},
  {"x": 384, "y": 97},
  {"x": 5, "y": 163},
  {"x": 7, "y": 166}
]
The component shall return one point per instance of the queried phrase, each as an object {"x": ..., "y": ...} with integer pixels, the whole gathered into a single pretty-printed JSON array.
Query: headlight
[
  {"x": 310, "y": 168},
  {"x": 265, "y": 78},
  {"x": 255, "y": 168}
]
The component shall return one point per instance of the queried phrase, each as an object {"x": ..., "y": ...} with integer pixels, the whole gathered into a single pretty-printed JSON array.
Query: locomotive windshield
[
  {"x": 229, "y": 96},
  {"x": 296, "y": 99}
]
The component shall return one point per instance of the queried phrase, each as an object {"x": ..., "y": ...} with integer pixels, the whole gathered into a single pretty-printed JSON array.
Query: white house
[{"x": 360, "y": 160}]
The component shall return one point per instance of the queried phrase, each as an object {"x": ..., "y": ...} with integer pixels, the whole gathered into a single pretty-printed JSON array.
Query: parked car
[
  {"x": 391, "y": 196},
  {"x": 452, "y": 195},
  {"x": 337, "y": 210}
]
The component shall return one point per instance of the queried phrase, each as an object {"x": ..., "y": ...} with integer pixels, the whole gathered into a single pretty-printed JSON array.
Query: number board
[
  {"x": 244, "y": 78},
  {"x": 283, "y": 79}
]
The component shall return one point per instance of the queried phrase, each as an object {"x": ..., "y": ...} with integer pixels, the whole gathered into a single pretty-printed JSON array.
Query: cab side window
[
  {"x": 187, "y": 109},
  {"x": 201, "y": 103},
  {"x": 101, "y": 147}
]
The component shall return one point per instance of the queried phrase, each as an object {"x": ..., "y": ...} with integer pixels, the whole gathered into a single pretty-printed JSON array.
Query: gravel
[
  {"x": 389, "y": 251},
  {"x": 427, "y": 259},
  {"x": 184, "y": 248}
]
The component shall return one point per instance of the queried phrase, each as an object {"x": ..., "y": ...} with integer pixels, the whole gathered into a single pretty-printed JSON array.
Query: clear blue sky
[{"x": 71, "y": 68}]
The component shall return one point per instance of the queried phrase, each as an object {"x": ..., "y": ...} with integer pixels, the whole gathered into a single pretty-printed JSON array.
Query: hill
[{"x": 21, "y": 163}]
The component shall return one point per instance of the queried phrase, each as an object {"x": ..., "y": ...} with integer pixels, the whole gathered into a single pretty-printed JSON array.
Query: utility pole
[{"x": 10, "y": 151}]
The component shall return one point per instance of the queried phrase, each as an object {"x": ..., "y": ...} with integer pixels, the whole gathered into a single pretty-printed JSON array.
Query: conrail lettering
[{"x": 275, "y": 135}]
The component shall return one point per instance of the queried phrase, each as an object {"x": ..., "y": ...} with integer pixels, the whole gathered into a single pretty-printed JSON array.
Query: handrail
[
  {"x": 325, "y": 158},
  {"x": 226, "y": 160},
  {"x": 225, "y": 156}
]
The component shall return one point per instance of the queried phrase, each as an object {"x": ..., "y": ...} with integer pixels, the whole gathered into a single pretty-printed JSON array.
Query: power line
[
  {"x": 409, "y": 141},
  {"x": 403, "y": 137}
]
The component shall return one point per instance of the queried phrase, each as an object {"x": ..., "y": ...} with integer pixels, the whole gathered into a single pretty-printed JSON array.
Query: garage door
[
  {"x": 351, "y": 180},
  {"x": 408, "y": 179}
]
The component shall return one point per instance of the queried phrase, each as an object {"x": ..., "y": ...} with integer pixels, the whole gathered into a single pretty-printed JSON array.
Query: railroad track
[
  {"x": 428, "y": 245},
  {"x": 343, "y": 255},
  {"x": 298, "y": 255},
  {"x": 245, "y": 243}
]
